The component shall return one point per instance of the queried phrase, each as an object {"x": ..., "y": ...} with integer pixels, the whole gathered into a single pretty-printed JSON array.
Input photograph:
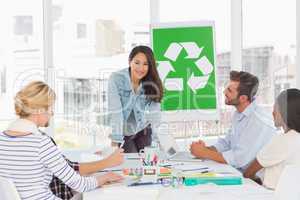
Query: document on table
[{"x": 191, "y": 167}]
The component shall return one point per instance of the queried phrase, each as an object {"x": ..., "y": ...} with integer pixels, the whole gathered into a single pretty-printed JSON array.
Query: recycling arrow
[
  {"x": 174, "y": 84},
  {"x": 197, "y": 82},
  {"x": 193, "y": 52},
  {"x": 164, "y": 67},
  {"x": 204, "y": 65},
  {"x": 173, "y": 51},
  {"x": 192, "y": 49}
]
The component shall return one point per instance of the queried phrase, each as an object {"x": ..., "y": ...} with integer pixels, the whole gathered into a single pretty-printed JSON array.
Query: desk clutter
[
  {"x": 172, "y": 177},
  {"x": 153, "y": 171}
]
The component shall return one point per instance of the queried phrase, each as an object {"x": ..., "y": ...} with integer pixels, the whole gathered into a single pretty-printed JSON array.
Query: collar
[
  {"x": 247, "y": 112},
  {"x": 24, "y": 125}
]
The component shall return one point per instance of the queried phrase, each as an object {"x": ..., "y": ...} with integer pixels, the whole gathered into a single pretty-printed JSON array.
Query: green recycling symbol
[{"x": 193, "y": 52}]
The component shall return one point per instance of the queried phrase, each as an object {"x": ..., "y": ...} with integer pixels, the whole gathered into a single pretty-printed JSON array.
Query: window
[
  {"x": 269, "y": 45},
  {"x": 21, "y": 51},
  {"x": 23, "y": 25},
  {"x": 91, "y": 39},
  {"x": 81, "y": 30}
]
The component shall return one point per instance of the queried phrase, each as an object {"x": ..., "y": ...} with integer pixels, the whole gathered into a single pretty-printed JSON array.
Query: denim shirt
[{"x": 124, "y": 102}]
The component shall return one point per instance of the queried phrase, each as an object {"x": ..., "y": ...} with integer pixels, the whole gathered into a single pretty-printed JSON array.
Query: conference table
[{"x": 249, "y": 190}]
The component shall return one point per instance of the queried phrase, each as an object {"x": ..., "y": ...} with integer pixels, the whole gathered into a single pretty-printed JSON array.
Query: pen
[
  {"x": 132, "y": 158},
  {"x": 145, "y": 183},
  {"x": 170, "y": 165},
  {"x": 188, "y": 170},
  {"x": 110, "y": 170},
  {"x": 144, "y": 162},
  {"x": 204, "y": 172},
  {"x": 122, "y": 144}
]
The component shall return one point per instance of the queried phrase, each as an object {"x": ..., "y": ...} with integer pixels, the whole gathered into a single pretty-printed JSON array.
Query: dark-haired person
[
  {"x": 133, "y": 93},
  {"x": 250, "y": 130},
  {"x": 284, "y": 148}
]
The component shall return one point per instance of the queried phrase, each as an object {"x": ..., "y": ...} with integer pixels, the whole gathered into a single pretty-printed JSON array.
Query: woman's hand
[
  {"x": 114, "y": 144},
  {"x": 109, "y": 178},
  {"x": 116, "y": 158}
]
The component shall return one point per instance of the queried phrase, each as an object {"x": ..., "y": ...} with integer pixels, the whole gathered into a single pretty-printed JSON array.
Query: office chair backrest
[
  {"x": 8, "y": 190},
  {"x": 288, "y": 187}
]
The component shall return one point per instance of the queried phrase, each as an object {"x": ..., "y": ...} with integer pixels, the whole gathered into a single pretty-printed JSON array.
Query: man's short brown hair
[{"x": 248, "y": 83}]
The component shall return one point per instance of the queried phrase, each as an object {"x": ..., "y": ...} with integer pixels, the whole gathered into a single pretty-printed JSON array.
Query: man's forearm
[
  {"x": 213, "y": 154},
  {"x": 254, "y": 167},
  {"x": 212, "y": 148}
]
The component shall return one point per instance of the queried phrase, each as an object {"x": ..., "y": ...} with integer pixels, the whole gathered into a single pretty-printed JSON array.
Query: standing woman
[{"x": 134, "y": 93}]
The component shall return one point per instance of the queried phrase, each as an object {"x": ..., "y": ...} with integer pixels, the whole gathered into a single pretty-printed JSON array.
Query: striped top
[{"x": 31, "y": 160}]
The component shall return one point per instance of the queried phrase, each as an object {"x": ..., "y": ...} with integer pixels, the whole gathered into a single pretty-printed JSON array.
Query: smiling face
[
  {"x": 139, "y": 67},
  {"x": 231, "y": 93}
]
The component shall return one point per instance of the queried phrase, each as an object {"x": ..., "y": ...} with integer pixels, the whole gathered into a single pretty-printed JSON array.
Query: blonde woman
[{"x": 30, "y": 158}]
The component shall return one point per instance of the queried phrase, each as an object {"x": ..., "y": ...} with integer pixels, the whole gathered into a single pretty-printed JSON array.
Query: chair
[
  {"x": 288, "y": 184},
  {"x": 8, "y": 190}
]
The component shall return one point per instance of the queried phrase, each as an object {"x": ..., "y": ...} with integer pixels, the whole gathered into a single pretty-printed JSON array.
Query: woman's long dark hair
[
  {"x": 288, "y": 103},
  {"x": 152, "y": 84}
]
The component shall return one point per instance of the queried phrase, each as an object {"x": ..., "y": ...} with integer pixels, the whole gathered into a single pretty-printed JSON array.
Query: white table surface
[{"x": 249, "y": 190}]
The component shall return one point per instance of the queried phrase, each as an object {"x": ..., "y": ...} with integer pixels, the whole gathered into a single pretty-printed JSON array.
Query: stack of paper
[{"x": 191, "y": 168}]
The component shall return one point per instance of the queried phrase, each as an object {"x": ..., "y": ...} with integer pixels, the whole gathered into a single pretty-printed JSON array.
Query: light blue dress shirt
[
  {"x": 249, "y": 132},
  {"x": 129, "y": 111}
]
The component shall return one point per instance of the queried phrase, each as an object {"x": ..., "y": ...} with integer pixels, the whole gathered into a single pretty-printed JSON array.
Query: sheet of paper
[{"x": 190, "y": 167}]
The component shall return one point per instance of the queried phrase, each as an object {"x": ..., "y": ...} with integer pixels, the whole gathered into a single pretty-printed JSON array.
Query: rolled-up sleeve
[
  {"x": 239, "y": 157},
  {"x": 223, "y": 144},
  {"x": 248, "y": 146},
  {"x": 249, "y": 132},
  {"x": 229, "y": 157},
  {"x": 115, "y": 111}
]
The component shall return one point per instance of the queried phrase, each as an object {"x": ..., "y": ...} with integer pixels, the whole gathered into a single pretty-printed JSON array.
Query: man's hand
[
  {"x": 201, "y": 142},
  {"x": 198, "y": 149}
]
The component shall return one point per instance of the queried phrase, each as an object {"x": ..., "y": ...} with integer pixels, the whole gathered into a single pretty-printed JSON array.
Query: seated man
[{"x": 251, "y": 127}]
